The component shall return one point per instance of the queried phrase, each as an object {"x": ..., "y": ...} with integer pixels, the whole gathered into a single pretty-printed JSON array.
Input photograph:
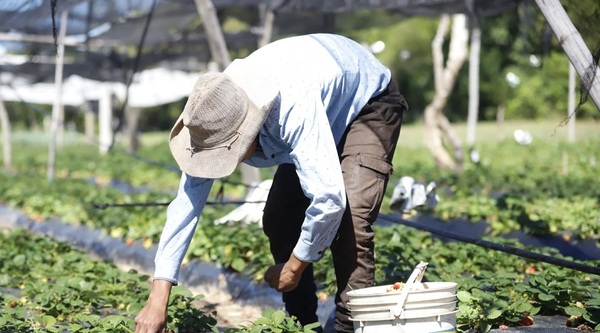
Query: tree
[{"x": 437, "y": 124}]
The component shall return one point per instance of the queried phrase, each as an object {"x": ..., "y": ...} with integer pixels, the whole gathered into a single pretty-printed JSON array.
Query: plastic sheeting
[{"x": 149, "y": 88}]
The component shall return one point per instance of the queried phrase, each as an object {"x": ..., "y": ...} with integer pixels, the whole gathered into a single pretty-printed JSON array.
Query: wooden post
[
  {"x": 474, "y": 54},
  {"x": 500, "y": 122},
  {"x": 574, "y": 46},
  {"x": 216, "y": 40},
  {"x": 220, "y": 54},
  {"x": 268, "y": 19},
  {"x": 57, "y": 116},
  {"x": 132, "y": 117},
  {"x": 6, "y": 140},
  {"x": 89, "y": 123},
  {"x": 105, "y": 119}
]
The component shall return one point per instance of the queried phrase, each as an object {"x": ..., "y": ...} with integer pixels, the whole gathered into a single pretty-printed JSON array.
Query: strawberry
[{"x": 526, "y": 321}]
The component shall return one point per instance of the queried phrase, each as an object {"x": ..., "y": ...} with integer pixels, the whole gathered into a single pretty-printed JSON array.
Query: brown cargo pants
[{"x": 366, "y": 151}]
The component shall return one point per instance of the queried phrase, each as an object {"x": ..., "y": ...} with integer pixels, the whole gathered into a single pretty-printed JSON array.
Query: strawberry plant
[
  {"x": 48, "y": 286},
  {"x": 530, "y": 189},
  {"x": 273, "y": 321}
]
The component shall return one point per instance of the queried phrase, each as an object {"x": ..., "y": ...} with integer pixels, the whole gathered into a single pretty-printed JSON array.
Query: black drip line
[
  {"x": 150, "y": 204},
  {"x": 220, "y": 196},
  {"x": 450, "y": 235},
  {"x": 498, "y": 247}
]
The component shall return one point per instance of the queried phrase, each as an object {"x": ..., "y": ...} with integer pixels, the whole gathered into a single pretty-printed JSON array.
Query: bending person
[{"x": 325, "y": 111}]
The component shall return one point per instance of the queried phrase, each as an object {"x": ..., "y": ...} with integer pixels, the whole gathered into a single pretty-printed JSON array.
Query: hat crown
[
  {"x": 215, "y": 111},
  {"x": 221, "y": 119}
]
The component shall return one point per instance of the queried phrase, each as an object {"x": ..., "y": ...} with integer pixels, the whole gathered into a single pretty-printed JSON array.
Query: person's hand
[
  {"x": 285, "y": 277},
  {"x": 153, "y": 316}
]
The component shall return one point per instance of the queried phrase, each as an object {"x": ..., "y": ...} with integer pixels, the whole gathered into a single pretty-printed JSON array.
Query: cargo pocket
[{"x": 366, "y": 187}]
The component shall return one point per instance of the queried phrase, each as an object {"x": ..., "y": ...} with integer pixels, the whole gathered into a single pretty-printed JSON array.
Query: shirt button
[{"x": 272, "y": 155}]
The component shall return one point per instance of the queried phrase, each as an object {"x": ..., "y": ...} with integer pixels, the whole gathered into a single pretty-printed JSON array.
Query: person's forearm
[
  {"x": 153, "y": 316},
  {"x": 160, "y": 293},
  {"x": 297, "y": 266}
]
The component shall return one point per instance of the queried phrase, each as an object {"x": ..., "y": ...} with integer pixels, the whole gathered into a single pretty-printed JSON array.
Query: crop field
[{"x": 547, "y": 189}]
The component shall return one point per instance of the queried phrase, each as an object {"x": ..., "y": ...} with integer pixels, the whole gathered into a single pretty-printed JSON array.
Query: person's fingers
[{"x": 273, "y": 276}]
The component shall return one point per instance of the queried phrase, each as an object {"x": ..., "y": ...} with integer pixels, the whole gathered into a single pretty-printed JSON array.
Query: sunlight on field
[{"x": 412, "y": 135}]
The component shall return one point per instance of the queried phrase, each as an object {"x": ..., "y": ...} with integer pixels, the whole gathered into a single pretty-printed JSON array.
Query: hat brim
[{"x": 222, "y": 161}]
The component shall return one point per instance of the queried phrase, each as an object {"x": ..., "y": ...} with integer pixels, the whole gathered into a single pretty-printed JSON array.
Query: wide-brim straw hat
[{"x": 221, "y": 118}]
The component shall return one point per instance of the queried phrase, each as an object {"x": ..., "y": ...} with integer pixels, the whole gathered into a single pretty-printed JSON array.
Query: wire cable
[
  {"x": 136, "y": 63},
  {"x": 149, "y": 204}
]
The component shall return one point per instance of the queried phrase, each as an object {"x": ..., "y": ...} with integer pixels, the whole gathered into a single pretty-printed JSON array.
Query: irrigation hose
[
  {"x": 149, "y": 204},
  {"x": 495, "y": 246},
  {"x": 465, "y": 239}
]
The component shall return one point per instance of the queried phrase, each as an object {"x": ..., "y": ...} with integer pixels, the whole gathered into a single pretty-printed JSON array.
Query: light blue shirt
[{"x": 324, "y": 81}]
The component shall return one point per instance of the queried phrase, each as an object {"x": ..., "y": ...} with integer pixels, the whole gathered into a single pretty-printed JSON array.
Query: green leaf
[
  {"x": 494, "y": 313},
  {"x": 545, "y": 297},
  {"x": 278, "y": 317},
  {"x": 112, "y": 321},
  {"x": 181, "y": 291},
  {"x": 262, "y": 321},
  {"x": 311, "y": 327},
  {"x": 75, "y": 327},
  {"x": 484, "y": 327},
  {"x": 463, "y": 296},
  {"x": 523, "y": 307},
  {"x": 19, "y": 259},
  {"x": 594, "y": 302},
  {"x": 574, "y": 311},
  {"x": 47, "y": 321},
  {"x": 534, "y": 310},
  {"x": 238, "y": 264}
]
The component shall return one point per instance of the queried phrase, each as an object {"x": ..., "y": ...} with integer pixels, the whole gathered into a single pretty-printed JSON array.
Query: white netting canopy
[{"x": 102, "y": 37}]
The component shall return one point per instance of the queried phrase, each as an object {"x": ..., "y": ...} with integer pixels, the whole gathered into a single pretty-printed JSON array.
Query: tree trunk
[
  {"x": 436, "y": 123},
  {"x": 6, "y": 140}
]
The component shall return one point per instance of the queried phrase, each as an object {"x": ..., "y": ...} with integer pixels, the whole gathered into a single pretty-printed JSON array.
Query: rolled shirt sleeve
[{"x": 315, "y": 157}]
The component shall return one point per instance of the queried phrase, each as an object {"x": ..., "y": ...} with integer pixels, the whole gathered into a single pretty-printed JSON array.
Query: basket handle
[{"x": 415, "y": 277}]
